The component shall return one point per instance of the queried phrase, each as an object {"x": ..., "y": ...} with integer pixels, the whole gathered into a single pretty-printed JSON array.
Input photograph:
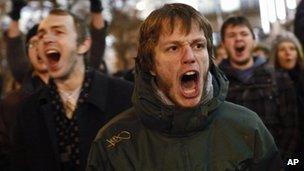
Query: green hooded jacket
[{"x": 217, "y": 135}]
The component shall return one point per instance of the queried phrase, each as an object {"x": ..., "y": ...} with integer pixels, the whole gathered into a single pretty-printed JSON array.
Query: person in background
[
  {"x": 34, "y": 81},
  {"x": 255, "y": 84},
  {"x": 34, "y": 76},
  {"x": 17, "y": 52},
  {"x": 180, "y": 119},
  {"x": 287, "y": 55},
  {"x": 261, "y": 50},
  {"x": 98, "y": 30},
  {"x": 58, "y": 123},
  {"x": 220, "y": 54}
]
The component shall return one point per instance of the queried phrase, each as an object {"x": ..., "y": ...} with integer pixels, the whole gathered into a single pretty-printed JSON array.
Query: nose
[
  {"x": 188, "y": 55},
  {"x": 238, "y": 37},
  {"x": 48, "y": 38}
]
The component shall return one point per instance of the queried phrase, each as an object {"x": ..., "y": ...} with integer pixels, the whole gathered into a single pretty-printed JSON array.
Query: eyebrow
[
  {"x": 181, "y": 42},
  {"x": 203, "y": 40},
  {"x": 58, "y": 26},
  {"x": 42, "y": 30}
]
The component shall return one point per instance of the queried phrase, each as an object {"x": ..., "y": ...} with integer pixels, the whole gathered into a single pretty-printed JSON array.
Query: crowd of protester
[{"x": 189, "y": 105}]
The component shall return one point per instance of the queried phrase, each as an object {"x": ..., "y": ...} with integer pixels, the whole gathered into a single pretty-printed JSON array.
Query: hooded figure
[
  {"x": 287, "y": 56},
  {"x": 180, "y": 119}
]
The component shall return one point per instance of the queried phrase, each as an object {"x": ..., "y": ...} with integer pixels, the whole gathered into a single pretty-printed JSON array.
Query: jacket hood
[{"x": 172, "y": 120}]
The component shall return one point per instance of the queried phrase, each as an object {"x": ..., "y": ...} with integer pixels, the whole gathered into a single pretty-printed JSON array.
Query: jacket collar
[
  {"x": 99, "y": 85},
  {"x": 32, "y": 83},
  {"x": 170, "y": 119}
]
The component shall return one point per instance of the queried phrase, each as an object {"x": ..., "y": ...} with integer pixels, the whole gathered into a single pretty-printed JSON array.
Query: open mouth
[
  {"x": 189, "y": 84},
  {"x": 53, "y": 57},
  {"x": 240, "y": 49}
]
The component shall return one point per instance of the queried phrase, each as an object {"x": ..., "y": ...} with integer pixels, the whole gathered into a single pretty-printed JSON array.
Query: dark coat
[
  {"x": 1, "y": 85},
  {"x": 216, "y": 135},
  {"x": 8, "y": 112},
  {"x": 34, "y": 134},
  {"x": 297, "y": 76},
  {"x": 271, "y": 95}
]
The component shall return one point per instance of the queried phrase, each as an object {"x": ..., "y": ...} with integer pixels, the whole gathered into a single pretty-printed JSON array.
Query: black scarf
[{"x": 67, "y": 130}]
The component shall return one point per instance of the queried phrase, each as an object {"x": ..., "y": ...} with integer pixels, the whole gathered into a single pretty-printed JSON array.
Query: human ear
[{"x": 84, "y": 46}]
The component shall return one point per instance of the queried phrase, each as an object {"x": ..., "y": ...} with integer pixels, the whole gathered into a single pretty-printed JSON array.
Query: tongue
[
  {"x": 189, "y": 88},
  {"x": 52, "y": 64},
  {"x": 188, "y": 85}
]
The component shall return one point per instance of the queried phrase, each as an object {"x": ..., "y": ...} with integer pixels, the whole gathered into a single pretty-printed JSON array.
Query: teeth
[
  {"x": 51, "y": 51},
  {"x": 190, "y": 73},
  {"x": 190, "y": 91}
]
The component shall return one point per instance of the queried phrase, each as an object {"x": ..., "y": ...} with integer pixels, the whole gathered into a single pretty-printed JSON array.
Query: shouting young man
[
  {"x": 255, "y": 84},
  {"x": 180, "y": 119},
  {"x": 56, "y": 125}
]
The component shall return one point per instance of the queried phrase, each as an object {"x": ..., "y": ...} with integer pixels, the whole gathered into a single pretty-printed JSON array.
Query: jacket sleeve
[
  {"x": 98, "y": 46},
  {"x": 16, "y": 57},
  {"x": 266, "y": 154},
  {"x": 98, "y": 160}
]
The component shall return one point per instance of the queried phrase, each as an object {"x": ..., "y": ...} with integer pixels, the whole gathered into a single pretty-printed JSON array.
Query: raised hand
[{"x": 17, "y": 5}]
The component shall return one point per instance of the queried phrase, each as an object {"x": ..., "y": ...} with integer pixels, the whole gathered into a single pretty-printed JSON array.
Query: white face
[
  {"x": 287, "y": 55},
  {"x": 38, "y": 64},
  {"x": 181, "y": 65},
  {"x": 239, "y": 43},
  {"x": 58, "y": 45}
]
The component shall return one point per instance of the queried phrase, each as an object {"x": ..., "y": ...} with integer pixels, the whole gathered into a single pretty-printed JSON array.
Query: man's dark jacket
[
  {"x": 35, "y": 135},
  {"x": 8, "y": 112},
  {"x": 271, "y": 94},
  {"x": 216, "y": 135}
]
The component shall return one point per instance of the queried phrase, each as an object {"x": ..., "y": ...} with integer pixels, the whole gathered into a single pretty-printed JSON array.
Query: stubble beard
[
  {"x": 165, "y": 87},
  {"x": 243, "y": 62}
]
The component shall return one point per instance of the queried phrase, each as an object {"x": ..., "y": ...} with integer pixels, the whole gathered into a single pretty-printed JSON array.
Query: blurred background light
[
  {"x": 141, "y": 5},
  {"x": 291, "y": 4},
  {"x": 264, "y": 16},
  {"x": 230, "y": 5},
  {"x": 280, "y": 9},
  {"x": 272, "y": 17}
]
